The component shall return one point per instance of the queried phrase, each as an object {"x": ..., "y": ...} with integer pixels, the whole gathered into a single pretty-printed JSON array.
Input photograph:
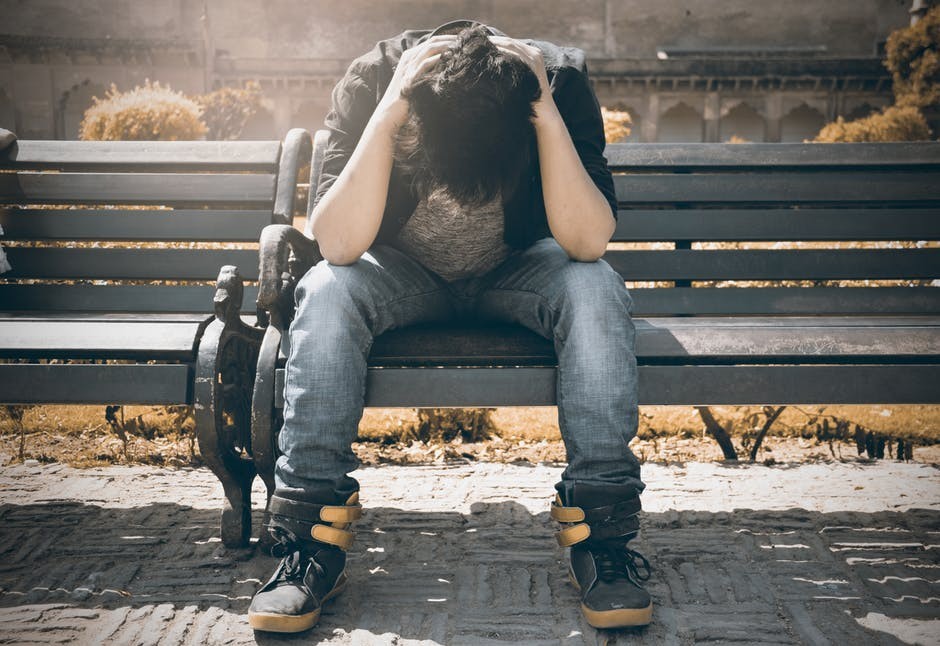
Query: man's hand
[
  {"x": 413, "y": 65},
  {"x": 531, "y": 56}
]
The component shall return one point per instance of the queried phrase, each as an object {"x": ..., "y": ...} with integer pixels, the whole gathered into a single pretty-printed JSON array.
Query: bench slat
[
  {"x": 646, "y": 225},
  {"x": 767, "y": 264},
  {"x": 119, "y": 224},
  {"x": 788, "y": 187},
  {"x": 170, "y": 264},
  {"x": 141, "y": 339},
  {"x": 699, "y": 340},
  {"x": 136, "y": 188},
  {"x": 658, "y": 385},
  {"x": 756, "y": 385},
  {"x": 807, "y": 301},
  {"x": 115, "y": 298},
  {"x": 143, "y": 155},
  {"x": 96, "y": 384},
  {"x": 709, "y": 156},
  {"x": 647, "y": 302}
]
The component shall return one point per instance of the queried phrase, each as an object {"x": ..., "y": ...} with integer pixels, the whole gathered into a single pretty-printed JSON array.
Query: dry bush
[
  {"x": 913, "y": 58},
  {"x": 446, "y": 424},
  {"x": 616, "y": 124},
  {"x": 226, "y": 110},
  {"x": 151, "y": 112},
  {"x": 897, "y": 123}
]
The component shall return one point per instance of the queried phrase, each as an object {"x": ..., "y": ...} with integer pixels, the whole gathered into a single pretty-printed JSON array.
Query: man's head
[{"x": 469, "y": 126}]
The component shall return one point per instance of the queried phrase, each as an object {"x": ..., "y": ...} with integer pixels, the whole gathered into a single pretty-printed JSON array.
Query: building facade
[{"x": 710, "y": 70}]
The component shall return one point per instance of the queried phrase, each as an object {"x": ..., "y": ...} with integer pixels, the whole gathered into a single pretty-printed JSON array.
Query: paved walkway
[{"x": 813, "y": 554}]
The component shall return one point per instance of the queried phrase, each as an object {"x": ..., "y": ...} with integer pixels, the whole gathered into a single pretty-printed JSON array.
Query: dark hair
[{"x": 469, "y": 127}]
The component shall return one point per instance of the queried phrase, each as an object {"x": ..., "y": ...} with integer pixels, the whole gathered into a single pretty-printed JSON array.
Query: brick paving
[{"x": 812, "y": 554}]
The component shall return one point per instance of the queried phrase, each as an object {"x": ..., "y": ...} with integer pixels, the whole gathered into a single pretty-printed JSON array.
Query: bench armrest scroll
[
  {"x": 295, "y": 155},
  {"x": 285, "y": 255}
]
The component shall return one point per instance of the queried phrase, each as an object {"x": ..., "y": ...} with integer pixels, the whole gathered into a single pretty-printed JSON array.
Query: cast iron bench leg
[
  {"x": 266, "y": 418},
  {"x": 225, "y": 375}
]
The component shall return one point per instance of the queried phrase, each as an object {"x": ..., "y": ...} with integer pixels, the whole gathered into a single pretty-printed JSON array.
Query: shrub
[
  {"x": 893, "y": 124},
  {"x": 913, "y": 58},
  {"x": 226, "y": 110},
  {"x": 616, "y": 124},
  {"x": 151, "y": 112}
]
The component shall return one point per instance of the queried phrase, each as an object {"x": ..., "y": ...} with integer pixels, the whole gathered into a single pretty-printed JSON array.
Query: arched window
[
  {"x": 73, "y": 105},
  {"x": 859, "y": 112},
  {"x": 680, "y": 124},
  {"x": 802, "y": 122},
  {"x": 742, "y": 122},
  {"x": 636, "y": 125}
]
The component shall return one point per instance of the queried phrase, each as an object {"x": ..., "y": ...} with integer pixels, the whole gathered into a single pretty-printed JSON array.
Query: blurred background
[
  {"x": 664, "y": 71},
  {"x": 711, "y": 70}
]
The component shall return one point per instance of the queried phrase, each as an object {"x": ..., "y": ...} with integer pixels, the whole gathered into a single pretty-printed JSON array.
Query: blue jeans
[{"x": 584, "y": 307}]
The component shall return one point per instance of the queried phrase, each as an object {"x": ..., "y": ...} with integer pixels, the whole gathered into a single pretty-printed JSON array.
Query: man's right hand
[{"x": 414, "y": 64}]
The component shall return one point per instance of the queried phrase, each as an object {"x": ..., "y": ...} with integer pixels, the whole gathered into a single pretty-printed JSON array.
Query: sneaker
[{"x": 309, "y": 574}]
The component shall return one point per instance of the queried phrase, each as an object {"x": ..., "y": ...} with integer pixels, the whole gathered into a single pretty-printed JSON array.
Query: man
[{"x": 464, "y": 177}]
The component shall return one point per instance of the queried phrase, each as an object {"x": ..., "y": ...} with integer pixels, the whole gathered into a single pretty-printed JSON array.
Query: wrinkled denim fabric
[{"x": 584, "y": 307}]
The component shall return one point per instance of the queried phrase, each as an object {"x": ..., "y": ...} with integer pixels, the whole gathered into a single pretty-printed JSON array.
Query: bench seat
[
  {"x": 763, "y": 360},
  {"x": 85, "y": 338}
]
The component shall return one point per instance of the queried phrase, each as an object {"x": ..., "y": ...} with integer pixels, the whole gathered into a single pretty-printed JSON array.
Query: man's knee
[
  {"x": 593, "y": 285},
  {"x": 326, "y": 282}
]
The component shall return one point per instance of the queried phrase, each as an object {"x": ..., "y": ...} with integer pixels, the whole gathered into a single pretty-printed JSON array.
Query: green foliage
[
  {"x": 226, "y": 110},
  {"x": 913, "y": 58},
  {"x": 893, "y": 124},
  {"x": 151, "y": 112}
]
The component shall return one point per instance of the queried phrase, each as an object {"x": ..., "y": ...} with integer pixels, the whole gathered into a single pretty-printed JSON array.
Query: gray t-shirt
[{"x": 453, "y": 241}]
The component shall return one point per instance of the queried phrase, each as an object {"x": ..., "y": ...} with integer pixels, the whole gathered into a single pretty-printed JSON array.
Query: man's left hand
[{"x": 532, "y": 56}]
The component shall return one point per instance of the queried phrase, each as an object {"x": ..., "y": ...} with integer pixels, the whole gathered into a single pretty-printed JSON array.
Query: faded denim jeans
[{"x": 583, "y": 307}]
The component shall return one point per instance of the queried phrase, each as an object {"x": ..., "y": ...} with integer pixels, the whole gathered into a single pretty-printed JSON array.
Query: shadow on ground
[{"x": 157, "y": 573}]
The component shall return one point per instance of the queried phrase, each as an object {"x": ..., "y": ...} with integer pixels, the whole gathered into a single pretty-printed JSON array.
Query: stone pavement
[{"x": 812, "y": 554}]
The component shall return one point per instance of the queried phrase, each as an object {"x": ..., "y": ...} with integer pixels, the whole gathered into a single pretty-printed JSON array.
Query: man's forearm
[
  {"x": 578, "y": 213},
  {"x": 347, "y": 218}
]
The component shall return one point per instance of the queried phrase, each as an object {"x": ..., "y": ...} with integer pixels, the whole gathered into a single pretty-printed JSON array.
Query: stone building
[{"x": 686, "y": 71}]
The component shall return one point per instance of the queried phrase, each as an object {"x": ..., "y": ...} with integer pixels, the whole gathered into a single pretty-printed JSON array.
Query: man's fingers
[
  {"x": 512, "y": 43},
  {"x": 429, "y": 49},
  {"x": 427, "y": 65}
]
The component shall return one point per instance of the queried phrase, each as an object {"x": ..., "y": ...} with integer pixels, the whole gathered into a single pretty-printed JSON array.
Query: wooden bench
[
  {"x": 110, "y": 299},
  {"x": 786, "y": 329}
]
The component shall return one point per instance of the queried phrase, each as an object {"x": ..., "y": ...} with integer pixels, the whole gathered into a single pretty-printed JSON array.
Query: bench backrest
[
  {"x": 777, "y": 227},
  {"x": 138, "y": 226},
  {"x": 772, "y": 229}
]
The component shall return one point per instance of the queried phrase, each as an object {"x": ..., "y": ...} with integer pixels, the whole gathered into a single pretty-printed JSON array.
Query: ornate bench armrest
[{"x": 285, "y": 254}]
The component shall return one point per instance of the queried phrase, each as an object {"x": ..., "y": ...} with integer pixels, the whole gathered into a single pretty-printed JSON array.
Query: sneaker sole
[
  {"x": 276, "y": 623},
  {"x": 619, "y": 618}
]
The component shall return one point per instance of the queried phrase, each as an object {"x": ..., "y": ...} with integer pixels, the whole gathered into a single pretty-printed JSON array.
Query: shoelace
[
  {"x": 288, "y": 549},
  {"x": 617, "y": 561}
]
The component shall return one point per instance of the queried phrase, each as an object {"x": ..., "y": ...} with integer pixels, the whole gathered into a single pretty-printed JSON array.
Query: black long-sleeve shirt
[{"x": 358, "y": 93}]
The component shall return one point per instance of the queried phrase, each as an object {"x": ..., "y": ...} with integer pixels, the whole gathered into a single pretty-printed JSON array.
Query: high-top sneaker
[
  {"x": 608, "y": 574},
  {"x": 311, "y": 541}
]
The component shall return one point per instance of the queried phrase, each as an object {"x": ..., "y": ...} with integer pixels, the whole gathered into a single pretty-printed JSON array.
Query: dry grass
[{"x": 80, "y": 435}]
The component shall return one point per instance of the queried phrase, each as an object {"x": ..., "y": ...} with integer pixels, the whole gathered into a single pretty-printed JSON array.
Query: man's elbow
[
  {"x": 334, "y": 248},
  {"x": 338, "y": 256},
  {"x": 585, "y": 250},
  {"x": 592, "y": 248}
]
